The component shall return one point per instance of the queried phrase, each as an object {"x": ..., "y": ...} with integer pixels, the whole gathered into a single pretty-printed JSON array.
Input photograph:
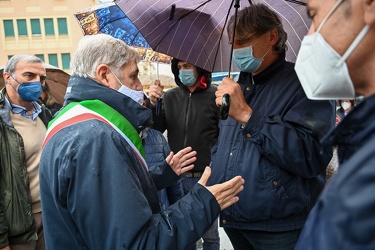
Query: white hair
[{"x": 94, "y": 50}]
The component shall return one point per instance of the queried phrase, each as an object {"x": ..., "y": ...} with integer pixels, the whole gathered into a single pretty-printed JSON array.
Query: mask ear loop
[{"x": 354, "y": 44}]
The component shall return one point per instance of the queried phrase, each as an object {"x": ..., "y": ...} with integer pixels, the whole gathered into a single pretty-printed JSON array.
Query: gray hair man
[{"x": 95, "y": 185}]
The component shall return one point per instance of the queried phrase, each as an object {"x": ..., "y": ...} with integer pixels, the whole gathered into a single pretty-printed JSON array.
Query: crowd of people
[{"x": 97, "y": 172}]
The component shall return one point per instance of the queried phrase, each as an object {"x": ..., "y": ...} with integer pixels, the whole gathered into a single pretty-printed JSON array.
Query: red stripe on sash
[{"x": 71, "y": 121}]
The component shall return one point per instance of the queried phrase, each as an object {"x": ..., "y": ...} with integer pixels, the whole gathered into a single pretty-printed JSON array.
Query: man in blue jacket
[
  {"x": 343, "y": 217},
  {"x": 95, "y": 185},
  {"x": 271, "y": 138}
]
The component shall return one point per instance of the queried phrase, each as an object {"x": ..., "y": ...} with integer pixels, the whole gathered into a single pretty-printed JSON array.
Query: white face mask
[
  {"x": 345, "y": 105},
  {"x": 136, "y": 95},
  {"x": 323, "y": 73}
]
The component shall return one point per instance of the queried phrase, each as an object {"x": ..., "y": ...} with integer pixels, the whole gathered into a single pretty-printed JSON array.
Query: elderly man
[
  {"x": 96, "y": 189},
  {"x": 23, "y": 127},
  {"x": 271, "y": 138},
  {"x": 341, "y": 42}
]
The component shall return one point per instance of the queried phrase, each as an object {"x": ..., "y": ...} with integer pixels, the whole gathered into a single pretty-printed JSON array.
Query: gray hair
[
  {"x": 10, "y": 67},
  {"x": 94, "y": 50},
  {"x": 257, "y": 19}
]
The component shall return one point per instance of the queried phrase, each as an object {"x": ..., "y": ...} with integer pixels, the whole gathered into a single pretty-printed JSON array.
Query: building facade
[{"x": 45, "y": 28}]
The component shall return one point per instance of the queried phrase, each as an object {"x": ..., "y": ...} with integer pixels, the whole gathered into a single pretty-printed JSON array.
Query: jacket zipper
[{"x": 187, "y": 120}]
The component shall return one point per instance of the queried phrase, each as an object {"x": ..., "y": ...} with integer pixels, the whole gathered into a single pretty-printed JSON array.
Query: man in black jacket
[{"x": 190, "y": 116}]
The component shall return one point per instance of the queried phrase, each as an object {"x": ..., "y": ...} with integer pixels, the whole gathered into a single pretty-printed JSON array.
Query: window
[
  {"x": 35, "y": 27},
  {"x": 48, "y": 25},
  {"x": 41, "y": 56},
  {"x": 22, "y": 28},
  {"x": 65, "y": 58},
  {"x": 52, "y": 59},
  {"x": 8, "y": 27},
  {"x": 63, "y": 27}
]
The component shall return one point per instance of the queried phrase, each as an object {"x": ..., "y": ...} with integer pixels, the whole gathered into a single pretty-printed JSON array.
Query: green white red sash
[{"x": 94, "y": 109}]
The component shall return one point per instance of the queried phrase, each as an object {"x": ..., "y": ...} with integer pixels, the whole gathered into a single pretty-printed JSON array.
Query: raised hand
[
  {"x": 182, "y": 161},
  {"x": 155, "y": 92},
  {"x": 225, "y": 193}
]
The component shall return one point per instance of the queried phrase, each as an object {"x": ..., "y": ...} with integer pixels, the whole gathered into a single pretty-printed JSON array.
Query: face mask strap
[
  {"x": 354, "y": 44},
  {"x": 329, "y": 14}
]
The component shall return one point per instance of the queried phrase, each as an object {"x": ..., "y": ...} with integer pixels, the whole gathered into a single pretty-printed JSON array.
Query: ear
[
  {"x": 369, "y": 12},
  {"x": 7, "y": 77},
  {"x": 274, "y": 36},
  {"x": 102, "y": 74}
]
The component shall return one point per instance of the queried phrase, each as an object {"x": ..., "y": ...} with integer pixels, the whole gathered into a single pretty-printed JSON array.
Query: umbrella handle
[{"x": 224, "y": 108}]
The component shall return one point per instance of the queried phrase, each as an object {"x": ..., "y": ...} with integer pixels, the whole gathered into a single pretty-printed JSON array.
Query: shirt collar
[{"x": 20, "y": 110}]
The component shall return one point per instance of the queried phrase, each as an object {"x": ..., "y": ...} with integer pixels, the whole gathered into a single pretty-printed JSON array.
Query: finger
[
  {"x": 157, "y": 82},
  {"x": 184, "y": 151},
  {"x": 229, "y": 202},
  {"x": 204, "y": 178},
  {"x": 169, "y": 158},
  {"x": 186, "y": 157},
  {"x": 218, "y": 101},
  {"x": 187, "y": 168},
  {"x": 229, "y": 188},
  {"x": 187, "y": 162}
]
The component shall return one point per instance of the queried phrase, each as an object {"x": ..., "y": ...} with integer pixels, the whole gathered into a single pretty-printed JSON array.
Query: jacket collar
[
  {"x": 354, "y": 129},
  {"x": 80, "y": 89}
]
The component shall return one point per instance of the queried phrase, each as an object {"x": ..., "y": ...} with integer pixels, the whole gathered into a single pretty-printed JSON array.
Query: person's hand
[
  {"x": 239, "y": 110},
  {"x": 155, "y": 92},
  {"x": 225, "y": 193},
  {"x": 182, "y": 161},
  {"x": 5, "y": 248}
]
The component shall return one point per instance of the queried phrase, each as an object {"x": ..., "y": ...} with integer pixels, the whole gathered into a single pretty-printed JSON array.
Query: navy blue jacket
[
  {"x": 344, "y": 216},
  {"x": 277, "y": 152},
  {"x": 157, "y": 149},
  {"x": 95, "y": 193}
]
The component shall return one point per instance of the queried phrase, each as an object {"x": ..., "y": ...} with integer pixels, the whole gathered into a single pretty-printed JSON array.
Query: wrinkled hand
[
  {"x": 239, "y": 110},
  {"x": 225, "y": 193},
  {"x": 182, "y": 161},
  {"x": 155, "y": 92}
]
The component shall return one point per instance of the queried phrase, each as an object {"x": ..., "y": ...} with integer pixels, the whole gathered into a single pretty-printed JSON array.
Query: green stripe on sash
[{"x": 111, "y": 115}]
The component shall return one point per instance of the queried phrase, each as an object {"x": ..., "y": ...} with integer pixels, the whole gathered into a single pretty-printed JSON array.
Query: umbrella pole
[{"x": 225, "y": 103}]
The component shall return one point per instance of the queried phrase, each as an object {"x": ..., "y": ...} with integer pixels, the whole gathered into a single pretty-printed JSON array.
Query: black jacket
[{"x": 191, "y": 119}]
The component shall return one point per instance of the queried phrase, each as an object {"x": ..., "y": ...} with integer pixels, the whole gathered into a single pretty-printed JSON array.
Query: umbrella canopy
[
  {"x": 195, "y": 30},
  {"x": 57, "y": 81},
  {"x": 109, "y": 19}
]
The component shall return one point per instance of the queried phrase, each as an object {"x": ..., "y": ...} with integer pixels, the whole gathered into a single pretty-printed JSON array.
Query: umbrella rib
[
  {"x": 297, "y": 2},
  {"x": 179, "y": 21},
  {"x": 221, "y": 35}
]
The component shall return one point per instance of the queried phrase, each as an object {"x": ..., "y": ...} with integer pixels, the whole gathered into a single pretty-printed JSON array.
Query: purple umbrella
[{"x": 195, "y": 30}]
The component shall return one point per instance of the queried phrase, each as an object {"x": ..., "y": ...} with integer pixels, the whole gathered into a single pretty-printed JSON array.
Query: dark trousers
[{"x": 261, "y": 240}]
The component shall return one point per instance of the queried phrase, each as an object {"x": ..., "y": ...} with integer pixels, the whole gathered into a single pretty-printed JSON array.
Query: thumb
[
  {"x": 206, "y": 174},
  {"x": 169, "y": 158},
  {"x": 157, "y": 82}
]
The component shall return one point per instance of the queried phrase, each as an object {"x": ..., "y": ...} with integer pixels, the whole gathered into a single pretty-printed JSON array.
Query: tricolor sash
[{"x": 77, "y": 112}]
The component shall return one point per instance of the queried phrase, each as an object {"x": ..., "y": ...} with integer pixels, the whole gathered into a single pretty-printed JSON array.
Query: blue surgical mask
[
  {"x": 245, "y": 61},
  {"x": 187, "y": 77},
  {"x": 28, "y": 91}
]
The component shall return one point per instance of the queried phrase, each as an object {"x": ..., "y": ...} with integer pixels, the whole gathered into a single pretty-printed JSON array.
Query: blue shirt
[{"x": 19, "y": 110}]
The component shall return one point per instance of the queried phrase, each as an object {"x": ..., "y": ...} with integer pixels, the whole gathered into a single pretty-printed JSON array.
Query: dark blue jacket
[
  {"x": 277, "y": 152},
  {"x": 344, "y": 216},
  {"x": 95, "y": 193},
  {"x": 157, "y": 149}
]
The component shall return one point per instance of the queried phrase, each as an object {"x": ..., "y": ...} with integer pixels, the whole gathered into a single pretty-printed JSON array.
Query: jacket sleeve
[
  {"x": 291, "y": 141},
  {"x": 158, "y": 115},
  {"x": 106, "y": 196},
  {"x": 3, "y": 230}
]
